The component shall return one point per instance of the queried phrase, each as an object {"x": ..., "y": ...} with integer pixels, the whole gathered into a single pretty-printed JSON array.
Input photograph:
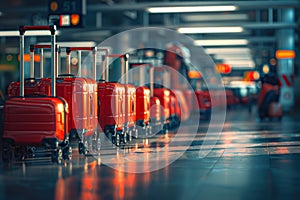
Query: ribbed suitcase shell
[
  {"x": 163, "y": 95},
  {"x": 30, "y": 120},
  {"x": 155, "y": 109},
  {"x": 130, "y": 105},
  {"x": 81, "y": 96},
  {"x": 30, "y": 88},
  {"x": 111, "y": 97},
  {"x": 142, "y": 105}
]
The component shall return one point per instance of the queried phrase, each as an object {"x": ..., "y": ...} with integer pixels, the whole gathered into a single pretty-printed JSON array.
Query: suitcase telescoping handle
[
  {"x": 166, "y": 72},
  {"x": 125, "y": 67},
  {"x": 104, "y": 63},
  {"x": 32, "y": 48},
  {"x": 79, "y": 49},
  {"x": 22, "y": 31}
]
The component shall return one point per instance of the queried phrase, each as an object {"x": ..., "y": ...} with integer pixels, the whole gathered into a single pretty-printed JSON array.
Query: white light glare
[
  {"x": 28, "y": 33},
  {"x": 184, "y": 9},
  {"x": 228, "y": 29},
  {"x": 225, "y": 51},
  {"x": 228, "y": 42}
]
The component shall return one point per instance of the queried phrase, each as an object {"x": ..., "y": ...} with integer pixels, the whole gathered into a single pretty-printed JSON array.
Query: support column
[{"x": 286, "y": 41}]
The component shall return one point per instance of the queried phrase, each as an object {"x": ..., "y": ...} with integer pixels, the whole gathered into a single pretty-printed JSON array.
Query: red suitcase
[
  {"x": 155, "y": 115},
  {"x": 175, "y": 111},
  {"x": 130, "y": 110},
  {"x": 204, "y": 104},
  {"x": 31, "y": 88},
  {"x": 163, "y": 95},
  {"x": 129, "y": 101},
  {"x": 81, "y": 95},
  {"x": 142, "y": 110},
  {"x": 111, "y": 116},
  {"x": 36, "y": 121}
]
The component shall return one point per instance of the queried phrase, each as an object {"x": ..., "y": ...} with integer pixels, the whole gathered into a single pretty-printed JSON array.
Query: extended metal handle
[{"x": 22, "y": 30}]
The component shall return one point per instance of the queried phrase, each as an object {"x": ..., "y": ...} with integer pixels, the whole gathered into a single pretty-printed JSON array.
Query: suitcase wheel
[
  {"x": 82, "y": 148},
  {"x": 67, "y": 153},
  {"x": 57, "y": 156}
]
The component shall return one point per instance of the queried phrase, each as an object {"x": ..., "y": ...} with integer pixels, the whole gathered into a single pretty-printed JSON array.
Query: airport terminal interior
[{"x": 149, "y": 99}]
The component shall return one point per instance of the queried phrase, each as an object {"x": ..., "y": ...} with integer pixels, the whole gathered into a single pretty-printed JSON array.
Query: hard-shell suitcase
[
  {"x": 81, "y": 95},
  {"x": 204, "y": 104},
  {"x": 36, "y": 121},
  {"x": 31, "y": 85},
  {"x": 142, "y": 105},
  {"x": 268, "y": 95},
  {"x": 175, "y": 111},
  {"x": 155, "y": 115},
  {"x": 111, "y": 97},
  {"x": 163, "y": 95},
  {"x": 30, "y": 88},
  {"x": 130, "y": 110}
]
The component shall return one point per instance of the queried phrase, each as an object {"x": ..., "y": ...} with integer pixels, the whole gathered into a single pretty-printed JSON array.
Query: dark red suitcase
[
  {"x": 175, "y": 111},
  {"x": 31, "y": 88},
  {"x": 36, "y": 121},
  {"x": 46, "y": 120}
]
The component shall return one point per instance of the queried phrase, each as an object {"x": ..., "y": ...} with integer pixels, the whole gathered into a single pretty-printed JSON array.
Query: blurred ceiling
[{"x": 259, "y": 21}]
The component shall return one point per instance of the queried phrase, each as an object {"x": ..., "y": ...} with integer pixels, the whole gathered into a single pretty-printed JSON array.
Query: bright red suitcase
[
  {"x": 111, "y": 97},
  {"x": 142, "y": 110},
  {"x": 81, "y": 95},
  {"x": 155, "y": 115},
  {"x": 163, "y": 95},
  {"x": 130, "y": 110}
]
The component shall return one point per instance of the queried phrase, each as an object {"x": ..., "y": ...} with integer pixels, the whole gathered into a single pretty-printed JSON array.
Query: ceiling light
[
  {"x": 28, "y": 33},
  {"x": 228, "y": 42},
  {"x": 244, "y": 56},
  {"x": 240, "y": 63},
  {"x": 214, "y": 17},
  {"x": 183, "y": 9},
  {"x": 73, "y": 44},
  {"x": 224, "y": 51},
  {"x": 228, "y": 29}
]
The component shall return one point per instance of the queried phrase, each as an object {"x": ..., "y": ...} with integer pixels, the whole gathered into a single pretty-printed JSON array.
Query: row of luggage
[{"x": 49, "y": 112}]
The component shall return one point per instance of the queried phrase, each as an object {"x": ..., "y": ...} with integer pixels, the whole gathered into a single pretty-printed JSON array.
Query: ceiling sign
[{"x": 67, "y": 13}]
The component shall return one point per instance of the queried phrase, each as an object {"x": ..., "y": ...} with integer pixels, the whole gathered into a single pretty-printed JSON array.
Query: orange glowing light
[
  {"x": 284, "y": 54},
  {"x": 223, "y": 68},
  {"x": 53, "y": 6},
  {"x": 194, "y": 74},
  {"x": 75, "y": 19},
  {"x": 37, "y": 58},
  {"x": 251, "y": 76}
]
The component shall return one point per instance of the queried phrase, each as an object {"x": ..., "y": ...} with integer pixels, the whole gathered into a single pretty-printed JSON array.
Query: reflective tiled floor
[{"x": 250, "y": 160}]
